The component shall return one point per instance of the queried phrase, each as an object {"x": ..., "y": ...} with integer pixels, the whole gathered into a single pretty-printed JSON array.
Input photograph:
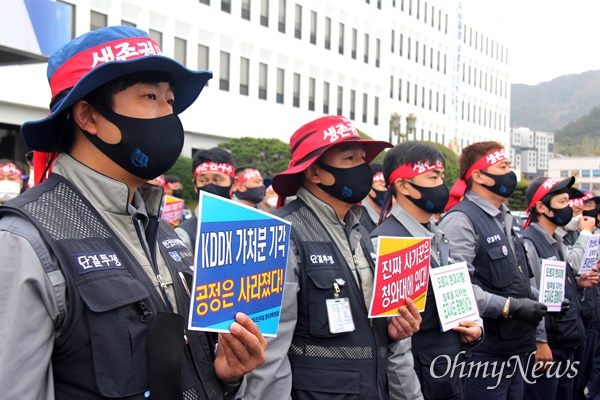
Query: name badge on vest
[
  {"x": 90, "y": 262},
  {"x": 339, "y": 313}
]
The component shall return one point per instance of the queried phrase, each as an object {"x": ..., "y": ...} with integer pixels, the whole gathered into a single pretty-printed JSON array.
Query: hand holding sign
[
  {"x": 240, "y": 351},
  {"x": 407, "y": 323}
]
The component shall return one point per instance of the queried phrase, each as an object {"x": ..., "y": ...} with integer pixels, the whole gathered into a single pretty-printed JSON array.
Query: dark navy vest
[
  {"x": 351, "y": 363},
  {"x": 500, "y": 271},
  {"x": 112, "y": 303},
  {"x": 568, "y": 330},
  {"x": 190, "y": 225}
]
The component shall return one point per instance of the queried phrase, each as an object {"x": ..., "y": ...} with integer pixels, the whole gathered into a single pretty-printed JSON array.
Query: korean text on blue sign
[{"x": 240, "y": 263}]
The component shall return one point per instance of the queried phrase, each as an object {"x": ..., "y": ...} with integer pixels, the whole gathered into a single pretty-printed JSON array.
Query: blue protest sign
[{"x": 240, "y": 263}]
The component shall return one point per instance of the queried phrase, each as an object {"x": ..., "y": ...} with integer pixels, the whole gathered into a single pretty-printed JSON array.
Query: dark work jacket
[
  {"x": 366, "y": 221},
  {"x": 102, "y": 351},
  {"x": 350, "y": 364},
  {"x": 590, "y": 297},
  {"x": 190, "y": 225},
  {"x": 566, "y": 331},
  {"x": 500, "y": 271},
  {"x": 430, "y": 342}
]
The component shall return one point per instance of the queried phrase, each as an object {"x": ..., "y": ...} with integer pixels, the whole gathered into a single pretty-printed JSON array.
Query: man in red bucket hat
[
  {"x": 326, "y": 345},
  {"x": 94, "y": 289}
]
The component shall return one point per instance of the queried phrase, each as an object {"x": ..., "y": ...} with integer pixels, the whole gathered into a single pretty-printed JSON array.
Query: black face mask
[
  {"x": 148, "y": 147},
  {"x": 433, "y": 199},
  {"x": 590, "y": 213},
  {"x": 253, "y": 195},
  {"x": 351, "y": 184},
  {"x": 217, "y": 190},
  {"x": 379, "y": 197},
  {"x": 562, "y": 216},
  {"x": 177, "y": 193},
  {"x": 504, "y": 185}
]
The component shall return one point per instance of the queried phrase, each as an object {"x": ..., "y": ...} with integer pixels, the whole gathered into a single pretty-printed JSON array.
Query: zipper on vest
[{"x": 163, "y": 287}]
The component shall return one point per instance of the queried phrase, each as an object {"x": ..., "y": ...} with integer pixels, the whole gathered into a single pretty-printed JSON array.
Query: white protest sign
[
  {"x": 552, "y": 284},
  {"x": 453, "y": 295},
  {"x": 591, "y": 254}
]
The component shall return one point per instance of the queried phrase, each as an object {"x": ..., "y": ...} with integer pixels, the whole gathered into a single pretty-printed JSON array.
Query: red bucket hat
[
  {"x": 95, "y": 58},
  {"x": 312, "y": 140}
]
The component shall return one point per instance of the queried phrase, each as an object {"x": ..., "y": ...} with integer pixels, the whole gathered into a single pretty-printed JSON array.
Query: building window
[
  {"x": 246, "y": 9},
  {"x": 366, "y": 56},
  {"x": 437, "y": 102},
  {"x": 156, "y": 36},
  {"x": 325, "y": 97},
  {"x": 444, "y": 64},
  {"x": 416, "y": 91},
  {"x": 313, "y": 27},
  {"x": 401, "y": 44},
  {"x": 432, "y": 16},
  {"x": 180, "y": 53},
  {"x": 280, "y": 85},
  {"x": 425, "y": 13},
  {"x": 264, "y": 13},
  {"x": 407, "y": 92},
  {"x": 311, "y": 93},
  {"x": 444, "y": 105},
  {"x": 298, "y": 22},
  {"x": 244, "y": 76},
  {"x": 408, "y": 48},
  {"x": 224, "y": 72},
  {"x": 596, "y": 173},
  {"x": 423, "y": 97},
  {"x": 340, "y": 100},
  {"x": 341, "y": 39},
  {"x": 262, "y": 81},
  {"x": 417, "y": 51},
  {"x": 226, "y": 6},
  {"x": 424, "y": 54},
  {"x": 393, "y": 44},
  {"x": 328, "y": 33},
  {"x": 354, "y": 42},
  {"x": 399, "y": 89},
  {"x": 296, "y": 99},
  {"x": 365, "y": 108},
  {"x": 564, "y": 174},
  {"x": 99, "y": 20},
  {"x": 127, "y": 23},
  {"x": 352, "y": 104},
  {"x": 377, "y": 52},
  {"x": 203, "y": 58},
  {"x": 376, "y": 111},
  {"x": 391, "y": 87},
  {"x": 207, "y": 2},
  {"x": 281, "y": 24},
  {"x": 430, "y": 98},
  {"x": 431, "y": 58}
]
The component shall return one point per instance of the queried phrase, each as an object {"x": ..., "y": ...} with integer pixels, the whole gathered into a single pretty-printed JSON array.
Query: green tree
[
  {"x": 269, "y": 156},
  {"x": 518, "y": 201},
  {"x": 452, "y": 166},
  {"x": 183, "y": 170}
]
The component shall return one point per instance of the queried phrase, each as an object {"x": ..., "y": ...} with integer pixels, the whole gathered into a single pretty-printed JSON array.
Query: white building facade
[
  {"x": 278, "y": 64},
  {"x": 586, "y": 171},
  {"x": 531, "y": 152}
]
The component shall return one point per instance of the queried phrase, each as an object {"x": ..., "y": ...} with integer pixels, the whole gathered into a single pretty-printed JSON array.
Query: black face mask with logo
[
  {"x": 561, "y": 217},
  {"x": 351, "y": 184},
  {"x": 148, "y": 147},
  {"x": 591, "y": 213},
  {"x": 253, "y": 195},
  {"x": 433, "y": 199},
  {"x": 379, "y": 197},
  {"x": 222, "y": 191},
  {"x": 504, "y": 185}
]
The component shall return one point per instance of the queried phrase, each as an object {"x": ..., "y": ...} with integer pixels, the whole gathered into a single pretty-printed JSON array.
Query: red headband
[
  {"x": 248, "y": 175},
  {"x": 576, "y": 202},
  {"x": 68, "y": 74},
  {"x": 10, "y": 168},
  {"x": 378, "y": 177},
  {"x": 541, "y": 191},
  {"x": 460, "y": 186},
  {"x": 411, "y": 170},
  {"x": 210, "y": 166}
]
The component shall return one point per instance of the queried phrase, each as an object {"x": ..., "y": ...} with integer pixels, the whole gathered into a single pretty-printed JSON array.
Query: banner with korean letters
[
  {"x": 552, "y": 284},
  {"x": 401, "y": 272},
  {"x": 454, "y": 296},
  {"x": 590, "y": 258},
  {"x": 240, "y": 264},
  {"x": 172, "y": 210}
]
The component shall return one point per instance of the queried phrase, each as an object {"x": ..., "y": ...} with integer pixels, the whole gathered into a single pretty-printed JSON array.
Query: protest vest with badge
[
  {"x": 101, "y": 351},
  {"x": 500, "y": 271},
  {"x": 351, "y": 363},
  {"x": 568, "y": 330}
]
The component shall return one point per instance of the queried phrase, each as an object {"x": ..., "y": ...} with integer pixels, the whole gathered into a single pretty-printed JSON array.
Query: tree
[
  {"x": 452, "y": 166},
  {"x": 269, "y": 156},
  {"x": 183, "y": 170},
  {"x": 518, "y": 201}
]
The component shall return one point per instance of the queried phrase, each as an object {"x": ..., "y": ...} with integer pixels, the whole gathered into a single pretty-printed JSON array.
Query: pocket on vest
[
  {"x": 320, "y": 288},
  {"x": 117, "y": 334},
  {"x": 502, "y": 274},
  {"x": 309, "y": 383}
]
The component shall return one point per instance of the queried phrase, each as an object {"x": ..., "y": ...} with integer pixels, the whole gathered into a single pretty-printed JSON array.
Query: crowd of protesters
[{"x": 72, "y": 330}]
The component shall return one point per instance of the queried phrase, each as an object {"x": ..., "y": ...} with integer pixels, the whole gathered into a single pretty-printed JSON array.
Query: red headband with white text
[
  {"x": 248, "y": 175},
  {"x": 10, "y": 168}
]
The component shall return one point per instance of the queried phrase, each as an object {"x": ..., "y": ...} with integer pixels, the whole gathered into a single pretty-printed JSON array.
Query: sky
[{"x": 547, "y": 38}]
